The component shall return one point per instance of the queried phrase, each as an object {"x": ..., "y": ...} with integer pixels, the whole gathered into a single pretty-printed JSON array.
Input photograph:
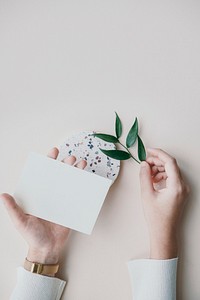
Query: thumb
[
  {"x": 145, "y": 179},
  {"x": 15, "y": 212}
]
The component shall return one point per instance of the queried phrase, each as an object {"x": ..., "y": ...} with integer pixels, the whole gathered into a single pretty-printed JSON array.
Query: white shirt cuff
[
  {"x": 153, "y": 279},
  {"x": 33, "y": 286}
]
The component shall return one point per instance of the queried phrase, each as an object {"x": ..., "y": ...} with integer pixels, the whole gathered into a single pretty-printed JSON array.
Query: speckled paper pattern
[{"x": 85, "y": 146}]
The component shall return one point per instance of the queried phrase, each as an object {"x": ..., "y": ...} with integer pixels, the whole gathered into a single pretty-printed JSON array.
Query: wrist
[
  {"x": 43, "y": 256},
  {"x": 163, "y": 247}
]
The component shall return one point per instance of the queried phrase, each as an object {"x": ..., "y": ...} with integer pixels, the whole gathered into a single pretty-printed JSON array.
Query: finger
[
  {"x": 53, "y": 153},
  {"x": 152, "y": 160},
  {"x": 160, "y": 176},
  {"x": 155, "y": 170},
  {"x": 15, "y": 212},
  {"x": 171, "y": 166},
  {"x": 70, "y": 160},
  {"x": 160, "y": 154},
  {"x": 81, "y": 164},
  {"x": 157, "y": 167},
  {"x": 146, "y": 180}
]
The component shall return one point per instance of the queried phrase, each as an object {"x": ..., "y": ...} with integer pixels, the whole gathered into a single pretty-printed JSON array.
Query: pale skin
[
  {"x": 46, "y": 240},
  {"x": 162, "y": 209}
]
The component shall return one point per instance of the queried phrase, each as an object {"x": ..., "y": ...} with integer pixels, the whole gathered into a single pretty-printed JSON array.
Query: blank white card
[{"x": 61, "y": 193}]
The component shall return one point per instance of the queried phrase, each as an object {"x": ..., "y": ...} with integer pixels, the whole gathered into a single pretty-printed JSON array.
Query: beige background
[{"x": 66, "y": 66}]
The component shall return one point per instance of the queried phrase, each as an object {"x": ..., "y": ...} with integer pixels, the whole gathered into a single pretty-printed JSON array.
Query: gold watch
[{"x": 38, "y": 268}]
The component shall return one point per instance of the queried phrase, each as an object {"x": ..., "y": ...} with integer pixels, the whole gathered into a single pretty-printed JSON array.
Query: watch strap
[{"x": 39, "y": 268}]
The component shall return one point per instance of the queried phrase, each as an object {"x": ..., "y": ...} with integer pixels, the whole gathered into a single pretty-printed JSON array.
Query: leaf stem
[{"x": 129, "y": 152}]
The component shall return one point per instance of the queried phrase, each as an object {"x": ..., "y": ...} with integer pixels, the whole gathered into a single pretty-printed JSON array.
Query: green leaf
[
  {"x": 118, "y": 126},
  {"x": 141, "y": 150},
  {"x": 116, "y": 154},
  {"x": 106, "y": 137},
  {"x": 132, "y": 135}
]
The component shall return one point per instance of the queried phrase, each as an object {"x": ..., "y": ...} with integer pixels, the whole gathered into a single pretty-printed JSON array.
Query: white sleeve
[
  {"x": 153, "y": 279},
  {"x": 33, "y": 286}
]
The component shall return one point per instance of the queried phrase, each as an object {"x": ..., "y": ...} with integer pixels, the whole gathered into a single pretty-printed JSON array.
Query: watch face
[{"x": 84, "y": 145}]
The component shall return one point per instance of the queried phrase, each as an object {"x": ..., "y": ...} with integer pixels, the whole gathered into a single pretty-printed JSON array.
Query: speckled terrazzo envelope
[
  {"x": 63, "y": 194},
  {"x": 85, "y": 146}
]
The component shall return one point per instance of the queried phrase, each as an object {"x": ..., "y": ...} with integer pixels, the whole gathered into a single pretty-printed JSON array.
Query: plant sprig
[{"x": 131, "y": 139}]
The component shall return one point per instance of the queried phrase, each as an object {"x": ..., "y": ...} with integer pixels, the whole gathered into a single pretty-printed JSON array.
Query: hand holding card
[
  {"x": 62, "y": 194},
  {"x": 45, "y": 239}
]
